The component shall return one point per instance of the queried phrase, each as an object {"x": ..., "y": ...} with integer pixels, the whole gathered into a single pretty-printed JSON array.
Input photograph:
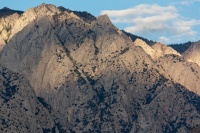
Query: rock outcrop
[
  {"x": 181, "y": 71},
  {"x": 192, "y": 54},
  {"x": 85, "y": 75},
  {"x": 157, "y": 50},
  {"x": 162, "y": 50}
]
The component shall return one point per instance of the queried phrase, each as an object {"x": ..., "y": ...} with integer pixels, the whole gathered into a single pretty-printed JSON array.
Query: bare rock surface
[
  {"x": 88, "y": 76},
  {"x": 156, "y": 50},
  {"x": 20, "y": 109},
  {"x": 162, "y": 50},
  {"x": 192, "y": 53},
  {"x": 181, "y": 71}
]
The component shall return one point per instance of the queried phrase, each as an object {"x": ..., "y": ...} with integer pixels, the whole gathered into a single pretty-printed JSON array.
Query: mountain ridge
[
  {"x": 5, "y": 11},
  {"x": 114, "y": 85}
]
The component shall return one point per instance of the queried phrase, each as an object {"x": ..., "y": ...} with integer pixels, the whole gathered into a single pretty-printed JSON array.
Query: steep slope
[
  {"x": 148, "y": 49},
  {"x": 5, "y": 28},
  {"x": 20, "y": 109},
  {"x": 134, "y": 37},
  {"x": 157, "y": 50},
  {"x": 95, "y": 78},
  {"x": 12, "y": 24},
  {"x": 87, "y": 17},
  {"x": 193, "y": 53},
  {"x": 181, "y": 71},
  {"x": 40, "y": 52},
  {"x": 162, "y": 50},
  {"x": 53, "y": 42}
]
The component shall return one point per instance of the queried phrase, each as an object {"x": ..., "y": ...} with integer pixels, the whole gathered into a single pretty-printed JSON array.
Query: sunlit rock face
[
  {"x": 85, "y": 75},
  {"x": 192, "y": 53},
  {"x": 156, "y": 50}
]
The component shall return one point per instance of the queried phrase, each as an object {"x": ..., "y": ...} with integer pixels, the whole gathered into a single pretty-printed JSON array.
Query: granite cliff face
[
  {"x": 181, "y": 71},
  {"x": 192, "y": 53},
  {"x": 85, "y": 75},
  {"x": 156, "y": 50}
]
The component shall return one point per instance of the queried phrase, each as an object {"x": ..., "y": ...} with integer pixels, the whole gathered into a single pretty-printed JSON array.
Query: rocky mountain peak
[
  {"x": 105, "y": 16},
  {"x": 87, "y": 17},
  {"x": 162, "y": 49},
  {"x": 68, "y": 71},
  {"x": 46, "y": 8},
  {"x": 105, "y": 20},
  {"x": 156, "y": 50},
  {"x": 148, "y": 49},
  {"x": 192, "y": 54},
  {"x": 9, "y": 26}
]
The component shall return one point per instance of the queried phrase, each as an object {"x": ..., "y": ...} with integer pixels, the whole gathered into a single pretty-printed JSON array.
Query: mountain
[
  {"x": 134, "y": 37},
  {"x": 4, "y": 12},
  {"x": 87, "y": 17},
  {"x": 181, "y": 48},
  {"x": 181, "y": 71},
  {"x": 21, "y": 110},
  {"x": 79, "y": 73},
  {"x": 156, "y": 50},
  {"x": 12, "y": 24},
  {"x": 192, "y": 53}
]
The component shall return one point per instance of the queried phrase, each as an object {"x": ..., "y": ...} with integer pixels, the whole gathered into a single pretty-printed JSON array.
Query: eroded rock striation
[{"x": 85, "y": 75}]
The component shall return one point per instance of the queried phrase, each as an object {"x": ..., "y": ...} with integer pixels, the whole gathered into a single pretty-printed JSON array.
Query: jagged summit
[
  {"x": 12, "y": 24},
  {"x": 134, "y": 37},
  {"x": 64, "y": 71},
  {"x": 162, "y": 49},
  {"x": 83, "y": 15},
  {"x": 157, "y": 50},
  {"x": 192, "y": 54}
]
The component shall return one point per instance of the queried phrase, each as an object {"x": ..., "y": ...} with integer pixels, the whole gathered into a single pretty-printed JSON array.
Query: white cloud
[
  {"x": 186, "y": 2},
  {"x": 147, "y": 19},
  {"x": 163, "y": 39},
  {"x": 143, "y": 9},
  {"x": 184, "y": 27}
]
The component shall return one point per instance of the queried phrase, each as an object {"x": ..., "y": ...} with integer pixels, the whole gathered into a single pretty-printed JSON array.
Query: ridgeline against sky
[{"x": 170, "y": 21}]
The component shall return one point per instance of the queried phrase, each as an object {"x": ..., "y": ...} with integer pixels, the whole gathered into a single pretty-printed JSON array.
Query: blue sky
[{"x": 169, "y": 21}]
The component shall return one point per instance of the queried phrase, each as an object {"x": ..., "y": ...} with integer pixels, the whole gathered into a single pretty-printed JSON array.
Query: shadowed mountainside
[
  {"x": 181, "y": 48},
  {"x": 85, "y": 75},
  {"x": 4, "y": 12},
  {"x": 21, "y": 110}
]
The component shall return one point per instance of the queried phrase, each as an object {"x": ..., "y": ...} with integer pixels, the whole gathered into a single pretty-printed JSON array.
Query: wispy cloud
[
  {"x": 154, "y": 19},
  {"x": 186, "y": 2},
  {"x": 163, "y": 39}
]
